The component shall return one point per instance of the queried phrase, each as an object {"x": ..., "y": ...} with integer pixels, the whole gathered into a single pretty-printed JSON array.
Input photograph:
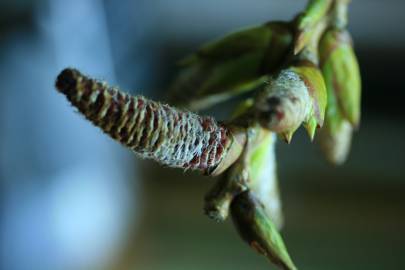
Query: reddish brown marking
[
  {"x": 193, "y": 163},
  {"x": 130, "y": 114},
  {"x": 140, "y": 102},
  {"x": 203, "y": 160},
  {"x": 279, "y": 115},
  {"x": 211, "y": 158},
  {"x": 207, "y": 124},
  {"x": 147, "y": 118},
  {"x": 87, "y": 85},
  {"x": 304, "y": 63},
  {"x": 220, "y": 151},
  {"x": 117, "y": 118},
  {"x": 257, "y": 247},
  {"x": 136, "y": 121},
  {"x": 341, "y": 38},
  {"x": 96, "y": 106}
]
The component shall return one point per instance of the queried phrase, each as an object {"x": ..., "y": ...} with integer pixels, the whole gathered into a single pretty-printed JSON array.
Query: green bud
[
  {"x": 262, "y": 171},
  {"x": 283, "y": 104},
  {"x": 314, "y": 12},
  {"x": 341, "y": 73},
  {"x": 342, "y": 77},
  {"x": 255, "y": 170},
  {"x": 335, "y": 136},
  {"x": 335, "y": 142},
  {"x": 257, "y": 229},
  {"x": 228, "y": 67}
]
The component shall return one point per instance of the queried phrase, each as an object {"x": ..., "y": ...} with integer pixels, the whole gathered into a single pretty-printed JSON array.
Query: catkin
[{"x": 151, "y": 129}]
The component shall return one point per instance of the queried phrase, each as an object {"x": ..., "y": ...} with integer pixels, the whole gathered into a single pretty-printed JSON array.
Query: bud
[
  {"x": 283, "y": 104},
  {"x": 294, "y": 96},
  {"x": 335, "y": 136},
  {"x": 257, "y": 229},
  {"x": 341, "y": 73},
  {"x": 152, "y": 130},
  {"x": 235, "y": 64},
  {"x": 263, "y": 182},
  {"x": 255, "y": 170},
  {"x": 336, "y": 144},
  {"x": 313, "y": 14},
  {"x": 342, "y": 76}
]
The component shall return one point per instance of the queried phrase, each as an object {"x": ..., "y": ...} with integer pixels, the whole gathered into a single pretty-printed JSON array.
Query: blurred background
[{"x": 71, "y": 198}]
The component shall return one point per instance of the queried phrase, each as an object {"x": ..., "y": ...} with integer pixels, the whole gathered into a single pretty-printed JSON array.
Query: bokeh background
[{"x": 71, "y": 198}]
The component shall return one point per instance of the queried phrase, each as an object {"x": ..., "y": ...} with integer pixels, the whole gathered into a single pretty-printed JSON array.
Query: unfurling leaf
[{"x": 232, "y": 65}]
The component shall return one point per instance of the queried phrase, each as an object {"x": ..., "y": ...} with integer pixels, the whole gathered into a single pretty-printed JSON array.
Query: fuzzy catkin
[{"x": 151, "y": 129}]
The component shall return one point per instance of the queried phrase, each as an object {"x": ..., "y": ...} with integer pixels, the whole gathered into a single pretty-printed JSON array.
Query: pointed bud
[
  {"x": 257, "y": 229},
  {"x": 287, "y": 136},
  {"x": 341, "y": 73},
  {"x": 311, "y": 127}
]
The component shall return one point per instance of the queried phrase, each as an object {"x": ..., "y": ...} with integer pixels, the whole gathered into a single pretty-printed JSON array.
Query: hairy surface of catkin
[{"x": 153, "y": 130}]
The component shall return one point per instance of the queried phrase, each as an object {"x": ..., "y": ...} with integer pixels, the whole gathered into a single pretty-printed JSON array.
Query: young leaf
[{"x": 237, "y": 63}]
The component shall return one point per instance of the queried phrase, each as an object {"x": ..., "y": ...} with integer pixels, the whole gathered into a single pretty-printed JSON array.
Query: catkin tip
[{"x": 66, "y": 80}]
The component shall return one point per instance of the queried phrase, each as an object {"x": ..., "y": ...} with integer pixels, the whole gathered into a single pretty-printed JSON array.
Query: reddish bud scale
[{"x": 153, "y": 130}]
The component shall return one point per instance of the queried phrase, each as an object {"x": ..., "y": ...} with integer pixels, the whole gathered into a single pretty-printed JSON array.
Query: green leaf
[{"x": 230, "y": 66}]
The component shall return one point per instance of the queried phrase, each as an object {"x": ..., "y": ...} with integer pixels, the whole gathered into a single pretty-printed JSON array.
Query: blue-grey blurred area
[{"x": 71, "y": 198}]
